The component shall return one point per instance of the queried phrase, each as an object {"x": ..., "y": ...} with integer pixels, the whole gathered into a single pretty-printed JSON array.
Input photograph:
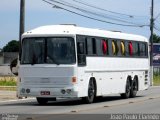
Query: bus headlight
[
  {"x": 69, "y": 91},
  {"x": 28, "y": 90},
  {"x": 23, "y": 90},
  {"x": 63, "y": 91}
]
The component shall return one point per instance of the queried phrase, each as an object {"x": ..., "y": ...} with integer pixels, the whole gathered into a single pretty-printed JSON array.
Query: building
[{"x": 5, "y": 59}]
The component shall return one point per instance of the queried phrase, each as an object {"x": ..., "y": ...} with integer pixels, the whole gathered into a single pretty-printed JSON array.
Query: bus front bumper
[{"x": 67, "y": 92}]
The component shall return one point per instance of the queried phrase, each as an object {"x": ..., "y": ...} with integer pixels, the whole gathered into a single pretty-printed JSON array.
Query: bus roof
[{"x": 52, "y": 30}]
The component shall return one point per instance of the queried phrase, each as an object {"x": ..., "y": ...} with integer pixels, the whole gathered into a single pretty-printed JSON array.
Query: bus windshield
[{"x": 55, "y": 50}]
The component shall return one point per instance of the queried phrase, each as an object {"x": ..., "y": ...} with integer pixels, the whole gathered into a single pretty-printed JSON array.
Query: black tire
[
  {"x": 42, "y": 101},
  {"x": 127, "y": 91},
  {"x": 134, "y": 88},
  {"x": 91, "y": 93}
]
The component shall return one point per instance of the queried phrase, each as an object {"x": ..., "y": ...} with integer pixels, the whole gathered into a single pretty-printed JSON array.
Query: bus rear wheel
[
  {"x": 127, "y": 91},
  {"x": 134, "y": 88},
  {"x": 91, "y": 93},
  {"x": 42, "y": 101}
]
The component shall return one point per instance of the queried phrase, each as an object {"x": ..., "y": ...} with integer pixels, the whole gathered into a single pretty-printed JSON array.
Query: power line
[
  {"x": 89, "y": 16},
  {"x": 56, "y": 6},
  {"x": 156, "y": 28},
  {"x": 92, "y": 6},
  {"x": 93, "y": 13},
  {"x": 157, "y": 17},
  {"x": 158, "y": 23},
  {"x": 102, "y": 9}
]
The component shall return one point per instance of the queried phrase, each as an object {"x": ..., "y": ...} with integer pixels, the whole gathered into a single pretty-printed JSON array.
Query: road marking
[
  {"x": 106, "y": 106},
  {"x": 73, "y": 111},
  {"x": 131, "y": 102},
  {"x": 151, "y": 98}
]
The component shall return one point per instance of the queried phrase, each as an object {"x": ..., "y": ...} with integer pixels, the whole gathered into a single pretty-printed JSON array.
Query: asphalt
[
  {"x": 146, "y": 102},
  {"x": 11, "y": 95}
]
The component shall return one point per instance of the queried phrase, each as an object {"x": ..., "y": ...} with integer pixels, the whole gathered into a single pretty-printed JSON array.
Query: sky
[{"x": 38, "y": 13}]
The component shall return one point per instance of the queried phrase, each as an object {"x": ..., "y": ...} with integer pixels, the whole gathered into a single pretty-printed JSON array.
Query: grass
[
  {"x": 156, "y": 79},
  {"x": 8, "y": 81}
]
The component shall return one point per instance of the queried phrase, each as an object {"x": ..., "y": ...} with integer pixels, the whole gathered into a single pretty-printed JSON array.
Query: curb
[{"x": 11, "y": 88}]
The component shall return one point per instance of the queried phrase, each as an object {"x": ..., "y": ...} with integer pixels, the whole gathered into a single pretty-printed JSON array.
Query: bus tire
[
  {"x": 128, "y": 89},
  {"x": 42, "y": 101},
  {"x": 134, "y": 88},
  {"x": 91, "y": 93}
]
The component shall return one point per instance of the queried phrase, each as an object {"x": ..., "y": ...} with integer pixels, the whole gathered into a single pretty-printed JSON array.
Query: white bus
[{"x": 66, "y": 61}]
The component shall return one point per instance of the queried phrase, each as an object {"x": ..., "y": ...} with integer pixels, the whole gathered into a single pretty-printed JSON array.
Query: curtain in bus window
[
  {"x": 122, "y": 48},
  {"x": 130, "y": 48},
  {"x": 113, "y": 48},
  {"x": 104, "y": 47}
]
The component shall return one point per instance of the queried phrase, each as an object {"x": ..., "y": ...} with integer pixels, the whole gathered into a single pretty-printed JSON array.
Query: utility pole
[
  {"x": 151, "y": 42},
  {"x": 21, "y": 24}
]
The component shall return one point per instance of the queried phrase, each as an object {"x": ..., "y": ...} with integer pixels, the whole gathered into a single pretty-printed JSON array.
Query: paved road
[
  {"x": 151, "y": 106},
  {"x": 145, "y": 102}
]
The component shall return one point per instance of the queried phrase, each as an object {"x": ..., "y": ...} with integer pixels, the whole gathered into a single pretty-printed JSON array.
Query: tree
[
  {"x": 12, "y": 46},
  {"x": 156, "y": 38}
]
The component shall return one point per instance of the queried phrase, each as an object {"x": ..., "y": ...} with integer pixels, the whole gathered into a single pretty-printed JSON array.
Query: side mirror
[{"x": 14, "y": 66}]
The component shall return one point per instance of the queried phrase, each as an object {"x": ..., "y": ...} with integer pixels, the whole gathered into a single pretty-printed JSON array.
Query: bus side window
[
  {"x": 80, "y": 48},
  {"x": 81, "y": 53},
  {"x": 94, "y": 49},
  {"x": 143, "y": 50},
  {"x": 146, "y": 46},
  {"x": 135, "y": 49},
  {"x": 127, "y": 48},
  {"x": 89, "y": 49}
]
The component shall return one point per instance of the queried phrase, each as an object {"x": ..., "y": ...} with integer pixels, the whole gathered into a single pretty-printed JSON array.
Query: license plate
[{"x": 45, "y": 92}]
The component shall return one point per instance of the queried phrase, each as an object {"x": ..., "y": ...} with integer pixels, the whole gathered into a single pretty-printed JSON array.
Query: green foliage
[
  {"x": 12, "y": 46},
  {"x": 8, "y": 81},
  {"x": 156, "y": 79},
  {"x": 156, "y": 38}
]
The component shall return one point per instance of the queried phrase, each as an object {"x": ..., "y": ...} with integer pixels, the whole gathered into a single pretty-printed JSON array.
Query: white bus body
[{"x": 89, "y": 60}]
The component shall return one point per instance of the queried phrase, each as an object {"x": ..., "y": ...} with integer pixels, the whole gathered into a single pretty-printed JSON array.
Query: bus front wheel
[
  {"x": 127, "y": 90},
  {"x": 91, "y": 93}
]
